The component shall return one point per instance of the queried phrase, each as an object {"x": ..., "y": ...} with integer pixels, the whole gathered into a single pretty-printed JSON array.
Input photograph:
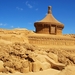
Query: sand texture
[{"x": 18, "y": 57}]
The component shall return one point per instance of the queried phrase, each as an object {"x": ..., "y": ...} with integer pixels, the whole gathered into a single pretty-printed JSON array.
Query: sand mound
[
  {"x": 17, "y": 55},
  {"x": 15, "y": 35},
  {"x": 24, "y": 57}
]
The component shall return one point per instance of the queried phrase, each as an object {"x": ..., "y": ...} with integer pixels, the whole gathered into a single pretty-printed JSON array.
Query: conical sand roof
[{"x": 50, "y": 19}]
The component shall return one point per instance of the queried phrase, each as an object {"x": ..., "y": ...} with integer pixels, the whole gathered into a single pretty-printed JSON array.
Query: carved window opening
[{"x": 53, "y": 30}]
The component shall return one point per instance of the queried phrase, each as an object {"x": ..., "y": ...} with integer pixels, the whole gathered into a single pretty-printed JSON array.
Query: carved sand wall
[
  {"x": 59, "y": 32},
  {"x": 51, "y": 40}
]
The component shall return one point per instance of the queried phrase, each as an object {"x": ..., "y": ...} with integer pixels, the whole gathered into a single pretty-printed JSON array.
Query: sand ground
[{"x": 45, "y": 72}]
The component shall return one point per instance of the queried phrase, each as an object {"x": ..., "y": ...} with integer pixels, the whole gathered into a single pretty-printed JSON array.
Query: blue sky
[{"x": 23, "y": 13}]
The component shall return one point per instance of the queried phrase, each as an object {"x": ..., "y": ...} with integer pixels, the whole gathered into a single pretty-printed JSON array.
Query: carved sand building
[
  {"x": 49, "y": 32},
  {"x": 49, "y": 25}
]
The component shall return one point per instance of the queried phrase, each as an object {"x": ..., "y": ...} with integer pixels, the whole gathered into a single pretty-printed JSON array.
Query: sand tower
[{"x": 49, "y": 25}]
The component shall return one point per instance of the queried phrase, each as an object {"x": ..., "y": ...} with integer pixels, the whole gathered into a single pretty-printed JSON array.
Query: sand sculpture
[
  {"x": 49, "y": 32},
  {"x": 23, "y": 51},
  {"x": 49, "y": 25}
]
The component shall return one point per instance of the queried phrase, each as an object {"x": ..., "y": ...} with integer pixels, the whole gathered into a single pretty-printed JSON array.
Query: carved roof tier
[{"x": 49, "y": 19}]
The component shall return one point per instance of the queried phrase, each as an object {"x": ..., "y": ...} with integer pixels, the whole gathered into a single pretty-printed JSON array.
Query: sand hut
[{"x": 49, "y": 25}]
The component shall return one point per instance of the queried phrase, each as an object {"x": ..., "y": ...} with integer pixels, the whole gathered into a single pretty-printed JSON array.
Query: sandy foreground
[
  {"x": 16, "y": 54},
  {"x": 45, "y": 72}
]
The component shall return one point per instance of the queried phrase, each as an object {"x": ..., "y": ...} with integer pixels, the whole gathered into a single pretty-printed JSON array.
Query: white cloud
[
  {"x": 19, "y": 8},
  {"x": 71, "y": 30},
  {"x": 36, "y": 9},
  {"x": 30, "y": 23},
  {"x": 29, "y": 5},
  {"x": 2, "y": 24},
  {"x": 18, "y": 27},
  {"x": 5, "y": 24},
  {"x": 36, "y": 21},
  {"x": 12, "y": 26},
  {"x": 26, "y": 2}
]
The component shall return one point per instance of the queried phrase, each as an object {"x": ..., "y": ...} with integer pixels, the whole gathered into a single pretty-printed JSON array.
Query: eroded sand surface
[{"x": 18, "y": 57}]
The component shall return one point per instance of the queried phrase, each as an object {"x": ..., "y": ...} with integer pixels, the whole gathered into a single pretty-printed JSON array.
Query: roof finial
[{"x": 49, "y": 9}]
